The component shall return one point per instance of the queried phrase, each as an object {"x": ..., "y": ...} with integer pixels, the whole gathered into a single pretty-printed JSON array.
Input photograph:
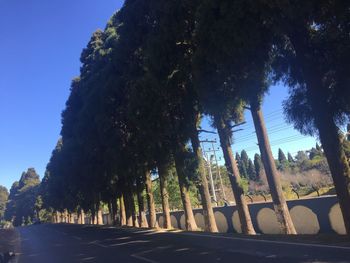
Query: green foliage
[
  {"x": 290, "y": 158},
  {"x": 3, "y": 200},
  {"x": 258, "y": 165},
  {"x": 244, "y": 184},
  {"x": 281, "y": 156},
  {"x": 158, "y": 66},
  {"x": 22, "y": 199},
  {"x": 242, "y": 166},
  {"x": 175, "y": 202},
  {"x": 251, "y": 170}
]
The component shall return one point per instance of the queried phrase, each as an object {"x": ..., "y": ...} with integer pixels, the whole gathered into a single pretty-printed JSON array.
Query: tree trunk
[
  {"x": 53, "y": 218},
  {"x": 162, "y": 170},
  {"x": 224, "y": 131},
  {"x": 142, "y": 213},
  {"x": 82, "y": 217},
  {"x": 100, "y": 217},
  {"x": 203, "y": 187},
  {"x": 110, "y": 213},
  {"x": 185, "y": 196},
  {"x": 273, "y": 178},
  {"x": 98, "y": 220},
  {"x": 338, "y": 164},
  {"x": 122, "y": 211},
  {"x": 135, "y": 222},
  {"x": 128, "y": 212},
  {"x": 150, "y": 200},
  {"x": 328, "y": 130},
  {"x": 93, "y": 216},
  {"x": 66, "y": 218},
  {"x": 114, "y": 211}
]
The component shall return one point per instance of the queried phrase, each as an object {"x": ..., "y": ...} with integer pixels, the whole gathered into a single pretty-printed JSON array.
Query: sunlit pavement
[{"x": 76, "y": 243}]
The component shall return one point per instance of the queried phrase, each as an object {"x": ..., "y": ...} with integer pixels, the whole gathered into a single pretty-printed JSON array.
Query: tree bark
[
  {"x": 150, "y": 200},
  {"x": 110, "y": 213},
  {"x": 162, "y": 170},
  {"x": 100, "y": 217},
  {"x": 142, "y": 213},
  {"x": 82, "y": 217},
  {"x": 273, "y": 178},
  {"x": 122, "y": 211},
  {"x": 324, "y": 121},
  {"x": 128, "y": 212},
  {"x": 98, "y": 220},
  {"x": 114, "y": 211},
  {"x": 337, "y": 161},
  {"x": 185, "y": 196},
  {"x": 224, "y": 131},
  {"x": 203, "y": 187},
  {"x": 93, "y": 217},
  {"x": 135, "y": 222}
]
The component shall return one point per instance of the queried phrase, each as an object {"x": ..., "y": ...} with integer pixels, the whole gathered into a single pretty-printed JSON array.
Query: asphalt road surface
[{"x": 76, "y": 243}]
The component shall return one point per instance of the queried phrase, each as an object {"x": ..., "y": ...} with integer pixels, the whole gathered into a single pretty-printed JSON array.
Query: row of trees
[
  {"x": 3, "y": 200},
  {"x": 159, "y": 66},
  {"x": 249, "y": 169},
  {"x": 24, "y": 201}
]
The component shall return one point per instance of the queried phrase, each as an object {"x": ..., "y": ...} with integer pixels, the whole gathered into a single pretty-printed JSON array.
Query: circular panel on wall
[
  {"x": 305, "y": 220},
  {"x": 174, "y": 223},
  {"x": 267, "y": 221},
  {"x": 183, "y": 222},
  {"x": 221, "y": 222},
  {"x": 236, "y": 222},
  {"x": 199, "y": 220},
  {"x": 336, "y": 219},
  {"x": 161, "y": 221}
]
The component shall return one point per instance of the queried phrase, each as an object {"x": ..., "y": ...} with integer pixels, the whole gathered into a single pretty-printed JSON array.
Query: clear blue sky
[{"x": 40, "y": 46}]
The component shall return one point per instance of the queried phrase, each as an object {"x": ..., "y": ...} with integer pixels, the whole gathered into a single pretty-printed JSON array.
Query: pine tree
[
  {"x": 3, "y": 200},
  {"x": 258, "y": 165},
  {"x": 232, "y": 69},
  {"x": 244, "y": 157},
  {"x": 281, "y": 156},
  {"x": 290, "y": 158},
  {"x": 314, "y": 43},
  {"x": 251, "y": 171},
  {"x": 242, "y": 165}
]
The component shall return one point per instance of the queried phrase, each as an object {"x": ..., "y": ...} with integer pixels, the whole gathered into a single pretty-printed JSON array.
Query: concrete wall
[{"x": 310, "y": 216}]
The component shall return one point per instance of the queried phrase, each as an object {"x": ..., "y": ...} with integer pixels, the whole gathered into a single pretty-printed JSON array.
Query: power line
[{"x": 254, "y": 148}]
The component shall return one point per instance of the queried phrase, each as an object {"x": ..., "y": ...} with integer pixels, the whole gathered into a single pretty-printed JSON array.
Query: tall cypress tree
[
  {"x": 313, "y": 58},
  {"x": 242, "y": 72},
  {"x": 251, "y": 170},
  {"x": 290, "y": 158},
  {"x": 258, "y": 165},
  {"x": 281, "y": 156}
]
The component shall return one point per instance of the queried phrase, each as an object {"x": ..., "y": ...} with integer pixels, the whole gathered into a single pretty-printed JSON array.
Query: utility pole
[
  {"x": 218, "y": 171},
  {"x": 210, "y": 173}
]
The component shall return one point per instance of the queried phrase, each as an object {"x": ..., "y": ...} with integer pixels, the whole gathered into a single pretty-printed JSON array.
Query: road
[{"x": 76, "y": 243}]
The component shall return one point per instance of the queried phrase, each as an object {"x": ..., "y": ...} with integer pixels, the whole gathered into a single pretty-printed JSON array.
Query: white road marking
[
  {"x": 266, "y": 241},
  {"x": 129, "y": 242},
  {"x": 143, "y": 258},
  {"x": 97, "y": 244},
  {"x": 182, "y": 249}
]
